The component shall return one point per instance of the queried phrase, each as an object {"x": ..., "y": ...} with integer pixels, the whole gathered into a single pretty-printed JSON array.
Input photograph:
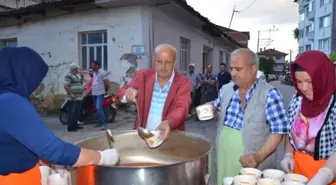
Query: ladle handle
[
  {"x": 110, "y": 138},
  {"x": 137, "y": 106}
]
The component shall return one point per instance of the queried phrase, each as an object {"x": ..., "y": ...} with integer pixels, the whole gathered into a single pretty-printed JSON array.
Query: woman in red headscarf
[{"x": 311, "y": 144}]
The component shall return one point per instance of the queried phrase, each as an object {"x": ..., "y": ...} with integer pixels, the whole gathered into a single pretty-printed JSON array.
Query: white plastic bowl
[
  {"x": 277, "y": 175},
  {"x": 292, "y": 183},
  {"x": 227, "y": 181},
  {"x": 156, "y": 140},
  {"x": 296, "y": 178},
  {"x": 265, "y": 181},
  {"x": 205, "y": 112},
  {"x": 251, "y": 171},
  {"x": 244, "y": 180}
]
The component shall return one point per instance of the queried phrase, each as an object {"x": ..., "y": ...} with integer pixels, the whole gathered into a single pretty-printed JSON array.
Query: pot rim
[{"x": 131, "y": 131}]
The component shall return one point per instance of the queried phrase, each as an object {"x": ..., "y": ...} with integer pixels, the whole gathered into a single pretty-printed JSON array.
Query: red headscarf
[{"x": 322, "y": 72}]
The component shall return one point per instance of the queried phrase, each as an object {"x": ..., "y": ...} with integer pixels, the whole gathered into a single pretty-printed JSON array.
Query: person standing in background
[
  {"x": 88, "y": 99},
  {"x": 193, "y": 79},
  {"x": 98, "y": 92},
  {"x": 224, "y": 77},
  {"x": 208, "y": 86},
  {"x": 74, "y": 88}
]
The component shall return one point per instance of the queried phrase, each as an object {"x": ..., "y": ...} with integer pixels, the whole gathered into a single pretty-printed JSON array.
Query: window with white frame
[
  {"x": 310, "y": 6},
  {"x": 324, "y": 2},
  {"x": 184, "y": 53},
  {"x": 301, "y": 33},
  {"x": 301, "y": 49},
  {"x": 278, "y": 57},
  {"x": 12, "y": 42},
  {"x": 308, "y": 47},
  {"x": 302, "y": 16},
  {"x": 324, "y": 44},
  {"x": 94, "y": 47},
  {"x": 325, "y": 21}
]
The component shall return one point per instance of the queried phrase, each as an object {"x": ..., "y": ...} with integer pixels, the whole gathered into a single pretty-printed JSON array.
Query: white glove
[
  {"x": 323, "y": 177},
  {"x": 109, "y": 157},
  {"x": 287, "y": 163}
]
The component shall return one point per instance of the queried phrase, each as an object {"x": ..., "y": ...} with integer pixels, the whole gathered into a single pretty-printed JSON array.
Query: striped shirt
[
  {"x": 157, "y": 104},
  {"x": 98, "y": 86},
  {"x": 75, "y": 85}
]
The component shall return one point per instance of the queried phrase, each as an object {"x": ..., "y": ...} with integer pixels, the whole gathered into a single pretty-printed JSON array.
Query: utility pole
[
  {"x": 290, "y": 55},
  {"x": 269, "y": 39},
  {"x": 258, "y": 41},
  {"x": 233, "y": 12}
]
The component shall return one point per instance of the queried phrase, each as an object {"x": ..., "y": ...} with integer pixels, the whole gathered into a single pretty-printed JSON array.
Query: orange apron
[
  {"x": 31, "y": 177},
  {"x": 85, "y": 175},
  {"x": 307, "y": 166}
]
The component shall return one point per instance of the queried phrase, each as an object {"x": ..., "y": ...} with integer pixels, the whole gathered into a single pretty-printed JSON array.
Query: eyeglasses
[{"x": 165, "y": 63}]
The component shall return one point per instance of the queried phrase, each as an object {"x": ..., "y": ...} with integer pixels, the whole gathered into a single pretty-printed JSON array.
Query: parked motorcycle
[
  {"x": 287, "y": 80},
  {"x": 109, "y": 105}
]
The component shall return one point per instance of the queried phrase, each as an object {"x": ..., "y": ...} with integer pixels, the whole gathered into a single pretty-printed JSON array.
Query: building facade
[
  {"x": 278, "y": 57},
  {"x": 121, "y": 36},
  {"x": 317, "y": 26}
]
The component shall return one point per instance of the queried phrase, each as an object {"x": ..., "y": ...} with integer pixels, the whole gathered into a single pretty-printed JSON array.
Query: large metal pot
[{"x": 183, "y": 158}]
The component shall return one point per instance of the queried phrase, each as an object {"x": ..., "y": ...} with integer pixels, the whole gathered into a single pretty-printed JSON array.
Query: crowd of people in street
[
  {"x": 252, "y": 118},
  {"x": 205, "y": 86}
]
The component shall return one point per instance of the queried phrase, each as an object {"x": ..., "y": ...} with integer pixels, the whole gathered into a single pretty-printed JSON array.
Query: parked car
[{"x": 261, "y": 75}]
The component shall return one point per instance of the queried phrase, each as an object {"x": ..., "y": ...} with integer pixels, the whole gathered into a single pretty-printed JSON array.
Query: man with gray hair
[
  {"x": 73, "y": 84},
  {"x": 162, "y": 94},
  {"x": 252, "y": 119}
]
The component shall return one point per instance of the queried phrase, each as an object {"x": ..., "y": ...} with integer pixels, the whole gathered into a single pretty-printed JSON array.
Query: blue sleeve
[
  {"x": 21, "y": 121},
  {"x": 276, "y": 113}
]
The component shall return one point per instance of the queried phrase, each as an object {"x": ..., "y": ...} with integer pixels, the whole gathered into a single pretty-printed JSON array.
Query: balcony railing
[
  {"x": 310, "y": 35},
  {"x": 311, "y": 15}
]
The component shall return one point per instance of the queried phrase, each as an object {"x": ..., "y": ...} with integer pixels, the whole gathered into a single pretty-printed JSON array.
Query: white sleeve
[{"x": 124, "y": 100}]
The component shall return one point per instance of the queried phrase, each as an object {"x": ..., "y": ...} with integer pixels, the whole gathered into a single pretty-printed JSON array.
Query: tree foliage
[
  {"x": 296, "y": 33},
  {"x": 333, "y": 56},
  {"x": 266, "y": 65}
]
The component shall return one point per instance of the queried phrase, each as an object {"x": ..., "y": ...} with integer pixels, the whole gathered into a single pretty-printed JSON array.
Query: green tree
[
  {"x": 266, "y": 65},
  {"x": 333, "y": 56},
  {"x": 296, "y": 33}
]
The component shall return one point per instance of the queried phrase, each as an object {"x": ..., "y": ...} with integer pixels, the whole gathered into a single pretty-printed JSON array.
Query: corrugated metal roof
[{"x": 42, "y": 6}]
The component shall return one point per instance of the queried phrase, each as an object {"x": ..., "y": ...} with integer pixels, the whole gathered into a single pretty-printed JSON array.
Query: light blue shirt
[{"x": 158, "y": 101}]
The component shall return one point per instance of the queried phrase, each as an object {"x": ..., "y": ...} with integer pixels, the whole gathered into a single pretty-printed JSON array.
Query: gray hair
[
  {"x": 74, "y": 66},
  {"x": 253, "y": 58},
  {"x": 165, "y": 46}
]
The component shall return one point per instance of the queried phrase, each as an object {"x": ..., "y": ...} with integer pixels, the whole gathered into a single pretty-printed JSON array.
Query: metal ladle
[
  {"x": 144, "y": 133},
  {"x": 110, "y": 138}
]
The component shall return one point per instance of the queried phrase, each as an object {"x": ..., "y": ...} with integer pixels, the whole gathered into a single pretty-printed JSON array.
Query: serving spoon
[
  {"x": 110, "y": 138},
  {"x": 144, "y": 133}
]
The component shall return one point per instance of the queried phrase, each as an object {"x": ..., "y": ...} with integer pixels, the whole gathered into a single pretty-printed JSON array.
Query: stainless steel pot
[{"x": 184, "y": 159}]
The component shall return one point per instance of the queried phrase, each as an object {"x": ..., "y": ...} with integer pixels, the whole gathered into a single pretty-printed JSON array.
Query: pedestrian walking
[{"x": 98, "y": 92}]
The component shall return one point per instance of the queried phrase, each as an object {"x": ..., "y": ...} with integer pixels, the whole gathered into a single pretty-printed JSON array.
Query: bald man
[
  {"x": 252, "y": 119},
  {"x": 162, "y": 94}
]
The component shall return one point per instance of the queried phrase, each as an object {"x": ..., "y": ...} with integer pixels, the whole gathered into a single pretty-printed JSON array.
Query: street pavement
[{"x": 125, "y": 120}]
